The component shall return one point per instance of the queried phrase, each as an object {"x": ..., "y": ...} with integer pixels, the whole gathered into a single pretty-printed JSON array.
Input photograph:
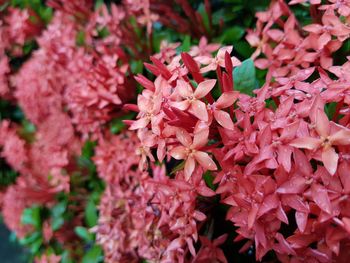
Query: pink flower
[
  {"x": 218, "y": 61},
  {"x": 203, "y": 48},
  {"x": 52, "y": 258},
  {"x": 190, "y": 150},
  {"x": 4, "y": 71},
  {"x": 328, "y": 138},
  {"x": 210, "y": 250},
  {"x": 226, "y": 100},
  {"x": 192, "y": 100},
  {"x": 332, "y": 26}
]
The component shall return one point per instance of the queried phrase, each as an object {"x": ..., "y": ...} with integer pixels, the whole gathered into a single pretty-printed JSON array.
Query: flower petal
[
  {"x": 322, "y": 123},
  {"x": 204, "y": 88},
  {"x": 301, "y": 219},
  {"x": 226, "y": 99},
  {"x": 181, "y": 105},
  {"x": 139, "y": 124},
  {"x": 189, "y": 167},
  {"x": 320, "y": 196},
  {"x": 341, "y": 137},
  {"x": 199, "y": 109},
  {"x": 330, "y": 159},
  {"x": 205, "y": 161},
  {"x": 223, "y": 50},
  {"x": 224, "y": 119},
  {"x": 184, "y": 137},
  {"x": 179, "y": 153},
  {"x": 293, "y": 185},
  {"x": 306, "y": 143},
  {"x": 200, "y": 139},
  {"x": 184, "y": 88},
  {"x": 284, "y": 156}
]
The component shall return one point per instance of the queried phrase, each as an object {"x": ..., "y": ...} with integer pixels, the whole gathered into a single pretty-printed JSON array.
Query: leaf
[
  {"x": 177, "y": 168},
  {"x": 57, "y": 213},
  {"x": 186, "y": 44},
  {"x": 31, "y": 216},
  {"x": 243, "y": 48},
  {"x": 136, "y": 66},
  {"x": 30, "y": 238},
  {"x": 80, "y": 38},
  {"x": 232, "y": 34},
  {"x": 91, "y": 215},
  {"x": 244, "y": 77},
  {"x": 65, "y": 258},
  {"x": 204, "y": 15},
  {"x": 98, "y": 4},
  {"x": 4, "y": 6},
  {"x": 59, "y": 209},
  {"x": 103, "y": 33},
  {"x": 224, "y": 15},
  {"x": 94, "y": 255},
  {"x": 117, "y": 125},
  {"x": 57, "y": 223},
  {"x": 84, "y": 234},
  {"x": 35, "y": 246},
  {"x": 330, "y": 109},
  {"x": 208, "y": 178},
  {"x": 88, "y": 149}
]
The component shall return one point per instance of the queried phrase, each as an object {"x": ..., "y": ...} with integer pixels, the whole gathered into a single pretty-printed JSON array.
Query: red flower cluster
[
  {"x": 143, "y": 215},
  {"x": 281, "y": 159},
  {"x": 278, "y": 158}
]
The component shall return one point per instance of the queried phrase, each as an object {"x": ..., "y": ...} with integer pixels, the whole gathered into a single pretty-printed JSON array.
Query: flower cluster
[
  {"x": 280, "y": 160},
  {"x": 141, "y": 146},
  {"x": 145, "y": 215}
]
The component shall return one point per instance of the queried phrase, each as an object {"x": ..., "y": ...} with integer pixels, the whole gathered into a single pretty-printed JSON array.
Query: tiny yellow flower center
[{"x": 326, "y": 143}]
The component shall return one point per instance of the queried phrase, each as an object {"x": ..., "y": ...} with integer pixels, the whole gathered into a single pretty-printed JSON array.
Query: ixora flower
[
  {"x": 330, "y": 135},
  {"x": 206, "y": 143},
  {"x": 190, "y": 150},
  {"x": 192, "y": 100},
  {"x": 276, "y": 157}
]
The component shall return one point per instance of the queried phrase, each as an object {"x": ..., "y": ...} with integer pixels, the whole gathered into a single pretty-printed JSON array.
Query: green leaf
[
  {"x": 209, "y": 179},
  {"x": 224, "y": 15},
  {"x": 57, "y": 213},
  {"x": 88, "y": 149},
  {"x": 57, "y": 223},
  {"x": 243, "y": 49},
  {"x": 330, "y": 109},
  {"x": 31, "y": 216},
  {"x": 177, "y": 168},
  {"x": 103, "y": 32},
  {"x": 232, "y": 34},
  {"x": 204, "y": 15},
  {"x": 30, "y": 238},
  {"x": 59, "y": 209},
  {"x": 84, "y": 234},
  {"x": 65, "y": 258},
  {"x": 117, "y": 125},
  {"x": 136, "y": 66},
  {"x": 94, "y": 255},
  {"x": 4, "y": 6},
  {"x": 98, "y": 4},
  {"x": 46, "y": 14},
  {"x": 35, "y": 246},
  {"x": 91, "y": 215},
  {"x": 186, "y": 44},
  {"x": 244, "y": 77},
  {"x": 80, "y": 38}
]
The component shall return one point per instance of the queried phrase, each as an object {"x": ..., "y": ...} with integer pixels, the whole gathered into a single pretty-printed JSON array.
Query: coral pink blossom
[
  {"x": 192, "y": 100},
  {"x": 190, "y": 150},
  {"x": 328, "y": 138}
]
